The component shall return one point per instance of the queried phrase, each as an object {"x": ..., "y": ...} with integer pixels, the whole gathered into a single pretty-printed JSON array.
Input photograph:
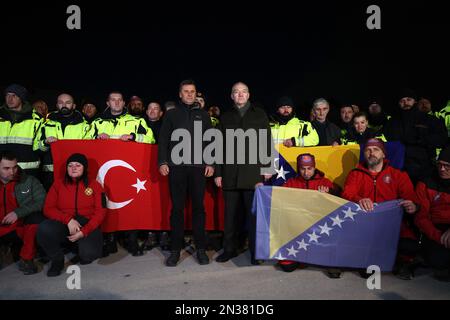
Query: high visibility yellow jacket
[
  {"x": 302, "y": 132},
  {"x": 62, "y": 128},
  {"x": 445, "y": 114},
  {"x": 116, "y": 126},
  {"x": 75, "y": 127},
  {"x": 18, "y": 130}
]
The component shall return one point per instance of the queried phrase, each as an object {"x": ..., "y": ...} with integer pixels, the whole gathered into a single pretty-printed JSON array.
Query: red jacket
[
  {"x": 7, "y": 193},
  {"x": 434, "y": 208},
  {"x": 389, "y": 184},
  {"x": 318, "y": 179},
  {"x": 62, "y": 197}
]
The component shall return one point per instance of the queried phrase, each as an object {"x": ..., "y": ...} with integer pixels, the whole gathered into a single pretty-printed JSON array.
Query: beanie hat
[
  {"x": 78, "y": 157},
  {"x": 407, "y": 93},
  {"x": 444, "y": 155},
  {"x": 306, "y": 159},
  {"x": 374, "y": 142},
  {"x": 18, "y": 90},
  {"x": 285, "y": 101}
]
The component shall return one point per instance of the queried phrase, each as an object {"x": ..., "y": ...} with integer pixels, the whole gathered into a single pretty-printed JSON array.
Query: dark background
[{"x": 304, "y": 49}]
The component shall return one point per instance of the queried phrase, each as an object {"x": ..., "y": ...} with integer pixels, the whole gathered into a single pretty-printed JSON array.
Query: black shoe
[
  {"x": 225, "y": 256},
  {"x": 151, "y": 241},
  {"x": 109, "y": 244},
  {"x": 333, "y": 273},
  {"x": 85, "y": 262},
  {"x": 202, "y": 257},
  {"x": 27, "y": 267},
  {"x": 172, "y": 260},
  {"x": 56, "y": 267},
  {"x": 404, "y": 272},
  {"x": 164, "y": 241},
  {"x": 363, "y": 274},
  {"x": 256, "y": 262}
]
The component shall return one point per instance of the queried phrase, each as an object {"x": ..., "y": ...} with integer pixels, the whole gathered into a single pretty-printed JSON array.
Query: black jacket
[
  {"x": 182, "y": 117},
  {"x": 242, "y": 176},
  {"x": 421, "y": 134},
  {"x": 155, "y": 126},
  {"x": 328, "y": 132}
]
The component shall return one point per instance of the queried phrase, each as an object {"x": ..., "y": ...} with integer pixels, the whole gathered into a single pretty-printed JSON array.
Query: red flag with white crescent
[{"x": 137, "y": 195}]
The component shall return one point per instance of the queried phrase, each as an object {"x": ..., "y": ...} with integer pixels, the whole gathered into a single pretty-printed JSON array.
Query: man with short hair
[
  {"x": 373, "y": 181},
  {"x": 116, "y": 123},
  {"x": 346, "y": 118},
  {"x": 329, "y": 133},
  {"x": 433, "y": 218},
  {"x": 238, "y": 180},
  {"x": 153, "y": 119},
  {"x": 187, "y": 176},
  {"x": 21, "y": 203},
  {"x": 19, "y": 125},
  {"x": 63, "y": 124},
  {"x": 288, "y": 129},
  {"x": 89, "y": 111},
  {"x": 136, "y": 106}
]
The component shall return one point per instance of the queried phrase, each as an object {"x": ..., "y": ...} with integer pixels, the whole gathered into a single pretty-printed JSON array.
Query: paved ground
[{"x": 122, "y": 276}]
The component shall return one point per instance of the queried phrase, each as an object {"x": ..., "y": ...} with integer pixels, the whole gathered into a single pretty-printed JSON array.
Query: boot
[
  {"x": 172, "y": 260},
  {"x": 164, "y": 241},
  {"x": 27, "y": 267},
  {"x": 109, "y": 244},
  {"x": 202, "y": 258},
  {"x": 56, "y": 267},
  {"x": 151, "y": 241}
]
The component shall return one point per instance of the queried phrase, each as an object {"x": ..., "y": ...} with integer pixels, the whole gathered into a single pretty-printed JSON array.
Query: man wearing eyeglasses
[{"x": 433, "y": 218}]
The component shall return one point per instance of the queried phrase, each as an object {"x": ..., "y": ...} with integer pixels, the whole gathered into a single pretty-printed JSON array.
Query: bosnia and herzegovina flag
[
  {"x": 335, "y": 162},
  {"x": 321, "y": 229}
]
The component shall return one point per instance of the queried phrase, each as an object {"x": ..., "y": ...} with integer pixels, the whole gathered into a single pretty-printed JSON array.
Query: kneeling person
[
  {"x": 308, "y": 178},
  {"x": 73, "y": 221},
  {"x": 21, "y": 202}
]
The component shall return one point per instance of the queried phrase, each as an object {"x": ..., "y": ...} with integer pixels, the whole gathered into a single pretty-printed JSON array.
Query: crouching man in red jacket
[
  {"x": 308, "y": 178},
  {"x": 373, "y": 181},
  {"x": 433, "y": 218},
  {"x": 21, "y": 200},
  {"x": 75, "y": 210}
]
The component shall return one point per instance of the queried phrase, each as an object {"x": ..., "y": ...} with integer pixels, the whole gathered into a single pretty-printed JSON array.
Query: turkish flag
[{"x": 137, "y": 195}]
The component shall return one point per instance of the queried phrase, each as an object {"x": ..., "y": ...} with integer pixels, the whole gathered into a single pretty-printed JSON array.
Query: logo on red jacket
[
  {"x": 387, "y": 179},
  {"x": 88, "y": 191},
  {"x": 437, "y": 197}
]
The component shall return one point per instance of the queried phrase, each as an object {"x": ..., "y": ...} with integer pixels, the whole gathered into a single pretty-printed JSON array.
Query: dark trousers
[
  {"x": 52, "y": 236},
  {"x": 238, "y": 208},
  {"x": 436, "y": 255},
  {"x": 184, "y": 180}
]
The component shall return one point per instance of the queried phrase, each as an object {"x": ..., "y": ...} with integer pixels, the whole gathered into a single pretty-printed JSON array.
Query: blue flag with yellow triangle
[{"x": 321, "y": 229}]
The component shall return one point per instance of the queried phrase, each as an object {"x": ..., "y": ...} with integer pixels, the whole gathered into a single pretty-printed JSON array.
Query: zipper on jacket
[
  {"x": 76, "y": 200},
  {"x": 375, "y": 190},
  {"x": 4, "y": 200}
]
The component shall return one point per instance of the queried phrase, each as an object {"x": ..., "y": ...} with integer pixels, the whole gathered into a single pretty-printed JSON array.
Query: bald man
[{"x": 64, "y": 123}]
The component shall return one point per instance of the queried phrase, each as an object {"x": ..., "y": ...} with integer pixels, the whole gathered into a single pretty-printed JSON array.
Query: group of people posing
[{"x": 37, "y": 212}]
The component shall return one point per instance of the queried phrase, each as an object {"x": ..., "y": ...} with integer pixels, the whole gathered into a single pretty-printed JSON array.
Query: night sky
[{"x": 321, "y": 49}]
